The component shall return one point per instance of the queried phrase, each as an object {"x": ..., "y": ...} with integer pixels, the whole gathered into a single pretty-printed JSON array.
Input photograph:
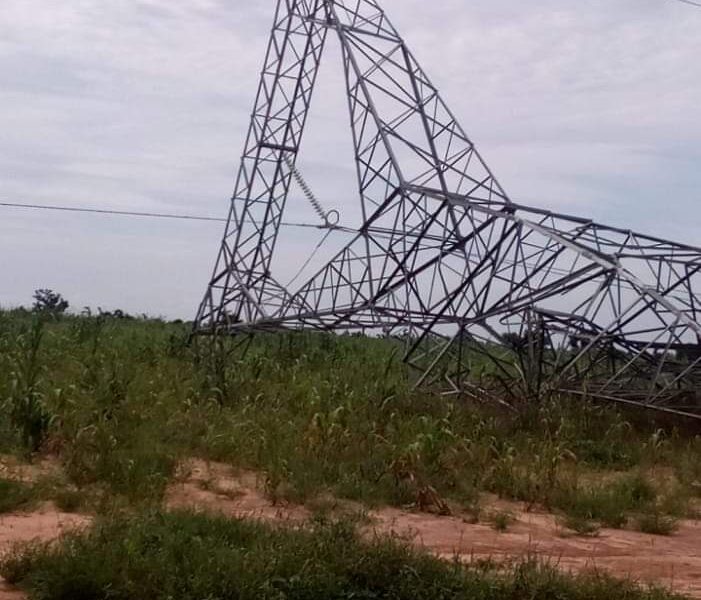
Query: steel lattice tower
[{"x": 443, "y": 257}]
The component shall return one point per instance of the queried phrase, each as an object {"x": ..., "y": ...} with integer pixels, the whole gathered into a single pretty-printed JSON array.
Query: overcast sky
[{"x": 589, "y": 107}]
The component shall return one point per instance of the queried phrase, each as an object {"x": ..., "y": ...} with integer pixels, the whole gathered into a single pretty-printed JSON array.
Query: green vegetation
[
  {"x": 17, "y": 495},
  {"x": 14, "y": 495},
  {"x": 581, "y": 526},
  {"x": 501, "y": 520},
  {"x": 121, "y": 401},
  {"x": 189, "y": 557},
  {"x": 657, "y": 523},
  {"x": 610, "y": 505}
]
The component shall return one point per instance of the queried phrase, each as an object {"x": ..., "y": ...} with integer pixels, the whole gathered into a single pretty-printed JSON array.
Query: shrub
[
  {"x": 581, "y": 525},
  {"x": 656, "y": 523},
  {"x": 501, "y": 520}
]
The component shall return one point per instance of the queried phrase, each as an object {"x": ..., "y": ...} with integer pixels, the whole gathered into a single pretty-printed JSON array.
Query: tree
[{"x": 50, "y": 302}]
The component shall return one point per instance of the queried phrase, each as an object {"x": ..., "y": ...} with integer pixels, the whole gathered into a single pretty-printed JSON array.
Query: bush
[
  {"x": 656, "y": 523},
  {"x": 501, "y": 520}
]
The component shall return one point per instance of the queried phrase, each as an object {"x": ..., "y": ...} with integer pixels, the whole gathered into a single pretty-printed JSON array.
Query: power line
[
  {"x": 151, "y": 215},
  {"x": 690, "y": 2},
  {"x": 102, "y": 211},
  {"x": 127, "y": 213}
]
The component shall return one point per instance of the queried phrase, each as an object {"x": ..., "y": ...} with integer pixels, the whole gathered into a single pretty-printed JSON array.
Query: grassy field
[{"x": 121, "y": 402}]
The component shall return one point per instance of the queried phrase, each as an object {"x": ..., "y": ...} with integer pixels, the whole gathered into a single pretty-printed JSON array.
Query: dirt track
[{"x": 673, "y": 562}]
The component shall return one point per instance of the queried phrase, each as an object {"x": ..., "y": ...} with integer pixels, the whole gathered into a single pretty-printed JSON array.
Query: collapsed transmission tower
[{"x": 490, "y": 298}]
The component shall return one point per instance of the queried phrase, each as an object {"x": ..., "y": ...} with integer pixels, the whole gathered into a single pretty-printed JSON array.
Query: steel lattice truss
[{"x": 488, "y": 296}]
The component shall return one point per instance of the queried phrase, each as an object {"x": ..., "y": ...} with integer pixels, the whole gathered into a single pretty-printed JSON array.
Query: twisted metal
[{"x": 490, "y": 298}]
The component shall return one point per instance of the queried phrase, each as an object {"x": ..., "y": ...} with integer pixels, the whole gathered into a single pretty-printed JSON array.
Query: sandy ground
[
  {"x": 673, "y": 562},
  {"x": 217, "y": 488},
  {"x": 45, "y": 523},
  {"x": 11, "y": 468}
]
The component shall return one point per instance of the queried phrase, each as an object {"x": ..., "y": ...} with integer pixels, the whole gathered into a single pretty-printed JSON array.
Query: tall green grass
[{"x": 123, "y": 401}]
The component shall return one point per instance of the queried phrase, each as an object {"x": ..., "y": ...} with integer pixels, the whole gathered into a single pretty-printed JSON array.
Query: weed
[
  {"x": 16, "y": 564},
  {"x": 68, "y": 500},
  {"x": 28, "y": 413},
  {"x": 581, "y": 525},
  {"x": 610, "y": 503},
  {"x": 501, "y": 520},
  {"x": 191, "y": 556},
  {"x": 124, "y": 400},
  {"x": 14, "y": 495},
  {"x": 656, "y": 523}
]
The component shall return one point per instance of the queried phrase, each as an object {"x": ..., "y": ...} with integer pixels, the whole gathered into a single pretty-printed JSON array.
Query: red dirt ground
[
  {"x": 44, "y": 524},
  {"x": 673, "y": 562}
]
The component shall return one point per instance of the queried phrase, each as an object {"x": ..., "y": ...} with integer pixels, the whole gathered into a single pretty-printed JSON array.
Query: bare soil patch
[
  {"x": 219, "y": 488},
  {"x": 673, "y": 562},
  {"x": 12, "y": 468},
  {"x": 44, "y": 524}
]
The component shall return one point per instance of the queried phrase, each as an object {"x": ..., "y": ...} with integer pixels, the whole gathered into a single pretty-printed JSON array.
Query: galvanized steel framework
[{"x": 490, "y": 297}]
